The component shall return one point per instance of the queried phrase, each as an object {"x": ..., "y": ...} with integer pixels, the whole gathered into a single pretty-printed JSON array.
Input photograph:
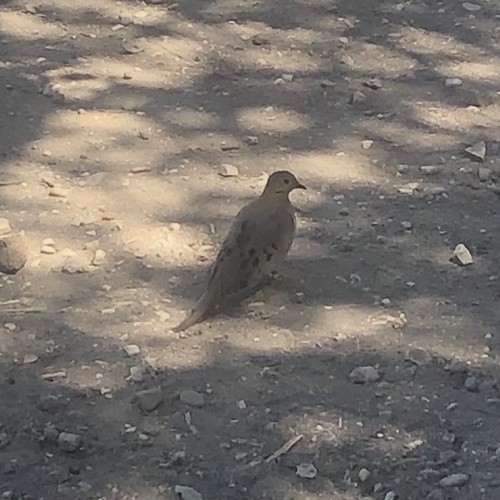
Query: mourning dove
[{"x": 258, "y": 241}]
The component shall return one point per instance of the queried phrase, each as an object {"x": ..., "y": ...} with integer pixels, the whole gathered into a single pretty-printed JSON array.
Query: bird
[{"x": 257, "y": 243}]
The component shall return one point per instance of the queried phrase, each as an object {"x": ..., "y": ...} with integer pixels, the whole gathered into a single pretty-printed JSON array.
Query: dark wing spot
[
  {"x": 268, "y": 257},
  {"x": 244, "y": 263},
  {"x": 255, "y": 262},
  {"x": 274, "y": 246},
  {"x": 251, "y": 252},
  {"x": 228, "y": 251}
]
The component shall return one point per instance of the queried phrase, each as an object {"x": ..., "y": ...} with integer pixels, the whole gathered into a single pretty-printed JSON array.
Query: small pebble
[
  {"x": 132, "y": 350},
  {"x": 484, "y": 174},
  {"x": 364, "y": 474},
  {"x": 149, "y": 399},
  {"x": 99, "y": 257},
  {"x": 364, "y": 374},
  {"x": 192, "y": 398},
  {"x": 452, "y": 82},
  {"x": 471, "y": 383},
  {"x": 228, "y": 170},
  {"x": 69, "y": 442},
  {"x": 58, "y": 192},
  {"x": 462, "y": 255},
  {"x": 4, "y": 226},
  {"x": 453, "y": 480},
  {"x": 429, "y": 169}
]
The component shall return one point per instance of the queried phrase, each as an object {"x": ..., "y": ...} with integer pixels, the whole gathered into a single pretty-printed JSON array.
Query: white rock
[
  {"x": 287, "y": 77},
  {"x": 390, "y": 495},
  {"x": 4, "y": 226},
  {"x": 132, "y": 350},
  {"x": 74, "y": 264},
  {"x": 30, "y": 358},
  {"x": 48, "y": 250},
  {"x": 429, "y": 169},
  {"x": 364, "y": 474},
  {"x": 192, "y": 398},
  {"x": 453, "y": 82},
  {"x": 471, "y": 7},
  {"x": 366, "y": 144},
  {"x": 99, "y": 257},
  {"x": 454, "y": 480},
  {"x": 406, "y": 225},
  {"x": 58, "y": 192},
  {"x": 307, "y": 471},
  {"x": 364, "y": 374},
  {"x": 69, "y": 442},
  {"x": 187, "y": 493},
  {"x": 484, "y": 174},
  {"x": 477, "y": 151},
  {"x": 228, "y": 170},
  {"x": 462, "y": 253},
  {"x": 386, "y": 302}
]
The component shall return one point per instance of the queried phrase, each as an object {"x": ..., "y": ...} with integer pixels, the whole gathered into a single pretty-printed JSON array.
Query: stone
[
  {"x": 4, "y": 226},
  {"x": 356, "y": 97},
  {"x": 132, "y": 350},
  {"x": 74, "y": 264},
  {"x": 471, "y": 383},
  {"x": 429, "y": 169},
  {"x": 13, "y": 254},
  {"x": 187, "y": 493},
  {"x": 134, "y": 46},
  {"x": 364, "y": 374},
  {"x": 192, "y": 398},
  {"x": 471, "y": 7},
  {"x": 149, "y": 399},
  {"x": 477, "y": 151},
  {"x": 69, "y": 442},
  {"x": 462, "y": 255},
  {"x": 48, "y": 249},
  {"x": 452, "y": 82},
  {"x": 418, "y": 356},
  {"x": 252, "y": 140},
  {"x": 307, "y": 471},
  {"x": 484, "y": 174},
  {"x": 228, "y": 170},
  {"x": 390, "y": 495},
  {"x": 453, "y": 480},
  {"x": 99, "y": 257},
  {"x": 50, "y": 404},
  {"x": 58, "y": 192},
  {"x": 364, "y": 475}
]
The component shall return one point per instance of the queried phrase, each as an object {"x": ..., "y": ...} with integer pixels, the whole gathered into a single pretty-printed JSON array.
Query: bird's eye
[{"x": 286, "y": 181}]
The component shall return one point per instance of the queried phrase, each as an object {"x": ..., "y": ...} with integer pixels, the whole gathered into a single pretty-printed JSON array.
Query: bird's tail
[{"x": 200, "y": 311}]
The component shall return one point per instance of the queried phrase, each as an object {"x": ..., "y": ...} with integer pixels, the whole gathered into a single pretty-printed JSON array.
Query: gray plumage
[{"x": 259, "y": 239}]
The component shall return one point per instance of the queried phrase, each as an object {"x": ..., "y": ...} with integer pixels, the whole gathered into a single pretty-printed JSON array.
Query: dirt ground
[{"x": 116, "y": 120}]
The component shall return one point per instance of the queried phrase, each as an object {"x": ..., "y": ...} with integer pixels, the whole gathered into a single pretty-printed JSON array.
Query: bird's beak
[{"x": 300, "y": 186}]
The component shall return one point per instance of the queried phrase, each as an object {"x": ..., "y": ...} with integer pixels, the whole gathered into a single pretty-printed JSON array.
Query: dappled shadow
[
  {"x": 261, "y": 85},
  {"x": 344, "y": 428}
]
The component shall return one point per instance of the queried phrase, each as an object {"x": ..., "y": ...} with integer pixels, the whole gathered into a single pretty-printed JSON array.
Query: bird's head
[{"x": 282, "y": 182}]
